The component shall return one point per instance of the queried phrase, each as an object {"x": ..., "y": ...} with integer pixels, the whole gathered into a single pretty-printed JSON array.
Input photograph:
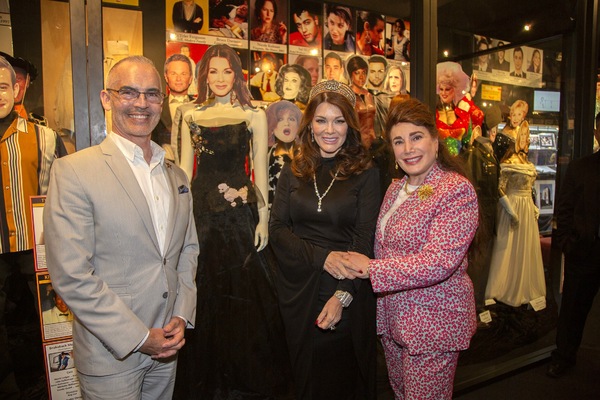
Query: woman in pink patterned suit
[{"x": 426, "y": 308}]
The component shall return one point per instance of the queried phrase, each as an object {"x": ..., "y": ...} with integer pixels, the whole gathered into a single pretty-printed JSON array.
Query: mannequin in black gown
[
  {"x": 237, "y": 349},
  {"x": 327, "y": 202}
]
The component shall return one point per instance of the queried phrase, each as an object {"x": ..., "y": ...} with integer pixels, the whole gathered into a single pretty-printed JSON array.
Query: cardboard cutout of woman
[
  {"x": 357, "y": 69},
  {"x": 283, "y": 119},
  {"x": 293, "y": 84},
  {"x": 237, "y": 305}
]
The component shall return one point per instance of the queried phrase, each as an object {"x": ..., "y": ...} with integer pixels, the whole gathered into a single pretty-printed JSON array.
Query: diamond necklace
[{"x": 319, "y": 196}]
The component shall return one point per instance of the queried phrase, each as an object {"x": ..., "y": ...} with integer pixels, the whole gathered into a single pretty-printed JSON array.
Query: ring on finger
[
  {"x": 332, "y": 328},
  {"x": 340, "y": 277}
]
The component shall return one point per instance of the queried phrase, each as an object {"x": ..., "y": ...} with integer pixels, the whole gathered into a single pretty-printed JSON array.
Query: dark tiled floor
[{"x": 531, "y": 382}]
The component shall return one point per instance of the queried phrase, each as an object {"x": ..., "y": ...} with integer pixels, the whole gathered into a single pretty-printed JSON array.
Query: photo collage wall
[{"x": 268, "y": 34}]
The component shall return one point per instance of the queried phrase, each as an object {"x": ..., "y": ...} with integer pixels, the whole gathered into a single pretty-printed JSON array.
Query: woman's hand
[
  {"x": 331, "y": 314},
  {"x": 357, "y": 265},
  {"x": 282, "y": 32},
  {"x": 334, "y": 265}
]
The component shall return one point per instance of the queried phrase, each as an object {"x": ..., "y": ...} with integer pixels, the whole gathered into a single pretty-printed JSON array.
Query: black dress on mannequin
[{"x": 237, "y": 349}]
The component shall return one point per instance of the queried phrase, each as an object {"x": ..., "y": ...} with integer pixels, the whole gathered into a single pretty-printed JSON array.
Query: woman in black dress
[{"x": 326, "y": 204}]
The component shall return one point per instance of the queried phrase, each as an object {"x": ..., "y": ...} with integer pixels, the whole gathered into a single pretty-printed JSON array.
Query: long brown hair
[
  {"x": 240, "y": 89},
  {"x": 352, "y": 159},
  {"x": 415, "y": 112}
]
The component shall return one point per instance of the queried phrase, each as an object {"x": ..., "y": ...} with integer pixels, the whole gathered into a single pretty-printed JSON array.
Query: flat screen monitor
[{"x": 546, "y": 101}]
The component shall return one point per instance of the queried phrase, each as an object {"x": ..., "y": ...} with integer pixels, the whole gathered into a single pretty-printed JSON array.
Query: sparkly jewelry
[
  {"x": 344, "y": 297},
  {"x": 409, "y": 192},
  {"x": 333, "y": 86},
  {"x": 319, "y": 196}
]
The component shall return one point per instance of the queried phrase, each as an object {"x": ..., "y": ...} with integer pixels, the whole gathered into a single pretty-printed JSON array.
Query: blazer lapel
[
  {"x": 174, "y": 208},
  {"x": 118, "y": 164}
]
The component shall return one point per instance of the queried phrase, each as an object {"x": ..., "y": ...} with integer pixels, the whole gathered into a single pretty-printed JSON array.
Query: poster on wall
[
  {"x": 269, "y": 26},
  {"x": 397, "y": 42},
  {"x": 263, "y": 75},
  {"x": 55, "y": 316},
  {"x": 61, "y": 374},
  {"x": 370, "y": 33},
  {"x": 272, "y": 33},
  {"x": 306, "y": 33},
  {"x": 310, "y": 63},
  {"x": 5, "y": 28},
  {"x": 39, "y": 247},
  {"x": 339, "y": 28},
  {"x": 208, "y": 22},
  {"x": 519, "y": 66}
]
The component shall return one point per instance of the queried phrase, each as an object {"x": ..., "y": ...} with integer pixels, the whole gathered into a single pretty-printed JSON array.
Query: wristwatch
[{"x": 344, "y": 297}]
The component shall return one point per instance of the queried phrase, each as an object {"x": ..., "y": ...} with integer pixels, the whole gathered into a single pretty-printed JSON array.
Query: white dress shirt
[
  {"x": 153, "y": 181},
  {"x": 402, "y": 196}
]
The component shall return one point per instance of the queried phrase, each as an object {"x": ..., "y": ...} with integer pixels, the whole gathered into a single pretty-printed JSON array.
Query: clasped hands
[
  {"x": 165, "y": 342},
  {"x": 347, "y": 265}
]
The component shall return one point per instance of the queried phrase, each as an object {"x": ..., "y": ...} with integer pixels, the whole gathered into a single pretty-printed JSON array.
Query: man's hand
[{"x": 165, "y": 342}]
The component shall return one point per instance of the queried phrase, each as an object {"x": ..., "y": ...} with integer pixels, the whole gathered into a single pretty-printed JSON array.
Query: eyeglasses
[{"x": 131, "y": 94}]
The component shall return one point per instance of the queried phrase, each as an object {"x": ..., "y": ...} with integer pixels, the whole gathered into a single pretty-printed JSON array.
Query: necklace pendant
[{"x": 319, "y": 206}]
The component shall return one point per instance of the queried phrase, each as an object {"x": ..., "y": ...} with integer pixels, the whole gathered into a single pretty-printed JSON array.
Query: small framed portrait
[
  {"x": 545, "y": 196},
  {"x": 534, "y": 141},
  {"x": 547, "y": 141}
]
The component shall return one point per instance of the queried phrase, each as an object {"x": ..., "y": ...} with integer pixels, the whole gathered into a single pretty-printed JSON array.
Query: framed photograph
[
  {"x": 534, "y": 141},
  {"x": 547, "y": 140},
  {"x": 545, "y": 196},
  {"x": 60, "y": 371},
  {"x": 55, "y": 316}
]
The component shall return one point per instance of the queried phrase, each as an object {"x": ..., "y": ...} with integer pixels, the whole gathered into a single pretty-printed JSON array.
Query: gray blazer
[{"x": 104, "y": 259}]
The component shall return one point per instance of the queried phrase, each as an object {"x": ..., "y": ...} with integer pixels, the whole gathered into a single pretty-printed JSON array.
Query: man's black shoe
[{"x": 557, "y": 369}]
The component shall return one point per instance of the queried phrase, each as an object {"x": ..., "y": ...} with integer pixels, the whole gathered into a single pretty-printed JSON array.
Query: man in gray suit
[{"x": 121, "y": 246}]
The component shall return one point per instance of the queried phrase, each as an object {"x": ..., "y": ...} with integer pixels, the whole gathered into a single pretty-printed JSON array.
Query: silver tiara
[{"x": 333, "y": 86}]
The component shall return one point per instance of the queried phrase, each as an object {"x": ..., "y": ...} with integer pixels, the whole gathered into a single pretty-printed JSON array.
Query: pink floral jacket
[{"x": 425, "y": 298}]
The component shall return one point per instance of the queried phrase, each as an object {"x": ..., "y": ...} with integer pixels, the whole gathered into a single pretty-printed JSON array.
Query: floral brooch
[{"x": 424, "y": 192}]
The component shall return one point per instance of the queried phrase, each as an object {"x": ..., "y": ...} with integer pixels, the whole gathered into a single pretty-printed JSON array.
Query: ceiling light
[
  {"x": 527, "y": 27},
  {"x": 446, "y": 53}
]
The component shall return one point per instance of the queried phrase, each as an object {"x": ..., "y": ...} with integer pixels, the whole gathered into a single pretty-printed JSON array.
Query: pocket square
[{"x": 183, "y": 189}]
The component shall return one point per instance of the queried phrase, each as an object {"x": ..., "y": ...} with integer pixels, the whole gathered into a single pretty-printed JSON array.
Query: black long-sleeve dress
[{"x": 328, "y": 364}]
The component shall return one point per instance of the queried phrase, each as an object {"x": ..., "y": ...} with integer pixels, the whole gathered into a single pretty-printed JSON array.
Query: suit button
[{"x": 165, "y": 295}]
